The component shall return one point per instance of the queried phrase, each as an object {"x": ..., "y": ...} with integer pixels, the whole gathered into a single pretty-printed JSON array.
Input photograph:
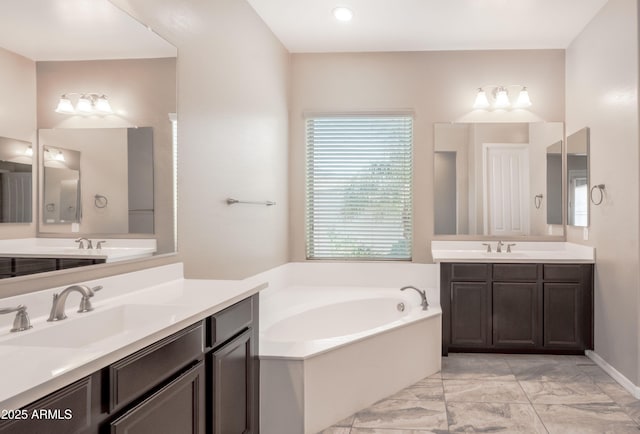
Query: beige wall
[
  {"x": 18, "y": 120},
  {"x": 602, "y": 79},
  {"x": 142, "y": 92},
  {"x": 233, "y": 134},
  {"x": 437, "y": 86}
]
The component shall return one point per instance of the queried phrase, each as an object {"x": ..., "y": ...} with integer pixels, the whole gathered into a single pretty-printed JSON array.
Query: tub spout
[{"x": 423, "y": 295}]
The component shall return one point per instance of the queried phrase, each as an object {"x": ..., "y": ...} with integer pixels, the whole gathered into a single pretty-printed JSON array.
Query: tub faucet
[
  {"x": 423, "y": 295},
  {"x": 57, "y": 309}
]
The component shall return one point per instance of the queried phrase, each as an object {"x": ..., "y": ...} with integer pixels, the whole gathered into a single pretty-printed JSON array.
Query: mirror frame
[{"x": 468, "y": 237}]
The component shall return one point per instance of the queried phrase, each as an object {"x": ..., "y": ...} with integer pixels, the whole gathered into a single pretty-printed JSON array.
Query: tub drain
[{"x": 400, "y": 307}]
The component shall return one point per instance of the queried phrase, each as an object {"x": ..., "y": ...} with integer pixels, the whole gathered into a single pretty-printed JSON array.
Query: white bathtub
[
  {"x": 299, "y": 322},
  {"x": 329, "y": 351}
]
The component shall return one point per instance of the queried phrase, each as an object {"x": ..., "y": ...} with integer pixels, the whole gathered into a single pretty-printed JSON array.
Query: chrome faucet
[
  {"x": 57, "y": 309},
  {"x": 81, "y": 245},
  {"x": 499, "y": 247},
  {"x": 423, "y": 295},
  {"x": 21, "y": 321}
]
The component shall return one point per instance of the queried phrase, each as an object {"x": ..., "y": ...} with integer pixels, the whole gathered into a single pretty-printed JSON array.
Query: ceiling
[
  {"x": 76, "y": 30},
  {"x": 417, "y": 25}
]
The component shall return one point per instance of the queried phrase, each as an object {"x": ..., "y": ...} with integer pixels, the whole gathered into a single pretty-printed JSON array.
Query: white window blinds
[{"x": 359, "y": 171}]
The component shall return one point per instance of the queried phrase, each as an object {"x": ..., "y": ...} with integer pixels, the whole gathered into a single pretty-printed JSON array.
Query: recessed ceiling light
[{"x": 343, "y": 14}]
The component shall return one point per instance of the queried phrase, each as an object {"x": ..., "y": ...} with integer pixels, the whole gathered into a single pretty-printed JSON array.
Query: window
[{"x": 359, "y": 171}]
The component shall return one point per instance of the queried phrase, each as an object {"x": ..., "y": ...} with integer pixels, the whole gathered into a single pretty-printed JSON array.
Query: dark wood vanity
[
  {"x": 23, "y": 266},
  {"x": 516, "y": 307},
  {"x": 204, "y": 378}
]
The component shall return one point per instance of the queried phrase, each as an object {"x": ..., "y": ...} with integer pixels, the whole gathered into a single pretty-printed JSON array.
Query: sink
[
  {"x": 88, "y": 328},
  {"x": 523, "y": 252},
  {"x": 504, "y": 256}
]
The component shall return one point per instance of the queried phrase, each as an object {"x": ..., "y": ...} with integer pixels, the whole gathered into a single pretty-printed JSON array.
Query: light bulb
[
  {"x": 84, "y": 105},
  {"x": 502, "y": 98},
  {"x": 343, "y": 14},
  {"x": 523, "y": 98},
  {"x": 481, "y": 100},
  {"x": 103, "y": 106},
  {"x": 65, "y": 106},
  {"x": 28, "y": 152}
]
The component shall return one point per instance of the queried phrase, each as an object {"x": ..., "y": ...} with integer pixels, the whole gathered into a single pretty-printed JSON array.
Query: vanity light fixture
[
  {"x": 500, "y": 97},
  {"x": 342, "y": 13},
  {"x": 88, "y": 104}
]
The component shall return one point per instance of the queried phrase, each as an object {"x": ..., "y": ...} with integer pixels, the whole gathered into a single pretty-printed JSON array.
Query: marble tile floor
[{"x": 501, "y": 393}]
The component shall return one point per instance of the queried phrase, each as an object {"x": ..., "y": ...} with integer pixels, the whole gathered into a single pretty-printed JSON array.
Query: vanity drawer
[
  {"x": 226, "y": 324},
  {"x": 473, "y": 272},
  {"x": 70, "y": 406},
  {"x": 563, "y": 272},
  {"x": 132, "y": 376},
  {"x": 24, "y": 266},
  {"x": 65, "y": 263},
  {"x": 5, "y": 267},
  {"x": 515, "y": 272}
]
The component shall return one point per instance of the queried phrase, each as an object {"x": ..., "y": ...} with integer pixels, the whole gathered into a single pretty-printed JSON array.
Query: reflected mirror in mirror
[
  {"x": 554, "y": 184},
  {"x": 16, "y": 186},
  {"x": 491, "y": 179},
  {"x": 115, "y": 194},
  {"x": 62, "y": 201},
  {"x": 578, "y": 178}
]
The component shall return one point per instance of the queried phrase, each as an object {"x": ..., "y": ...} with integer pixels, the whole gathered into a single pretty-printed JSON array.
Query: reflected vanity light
[
  {"x": 53, "y": 154},
  {"x": 500, "y": 96},
  {"x": 88, "y": 104}
]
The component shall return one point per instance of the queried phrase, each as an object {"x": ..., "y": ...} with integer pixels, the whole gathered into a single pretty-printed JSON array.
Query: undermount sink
[
  {"x": 496, "y": 255},
  {"x": 88, "y": 328},
  {"x": 522, "y": 252}
]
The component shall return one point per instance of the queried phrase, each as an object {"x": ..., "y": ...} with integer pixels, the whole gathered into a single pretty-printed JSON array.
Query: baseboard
[{"x": 614, "y": 373}]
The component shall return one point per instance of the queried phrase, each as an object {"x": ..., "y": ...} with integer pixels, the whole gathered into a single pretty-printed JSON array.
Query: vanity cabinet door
[
  {"x": 179, "y": 407},
  {"x": 470, "y": 314},
  {"x": 68, "y": 410},
  {"x": 563, "y": 315},
  {"x": 517, "y": 313},
  {"x": 231, "y": 371}
]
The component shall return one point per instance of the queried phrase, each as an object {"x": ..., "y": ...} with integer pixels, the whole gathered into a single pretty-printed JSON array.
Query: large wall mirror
[
  {"x": 100, "y": 174},
  {"x": 16, "y": 167},
  {"x": 578, "y": 178},
  {"x": 498, "y": 179}
]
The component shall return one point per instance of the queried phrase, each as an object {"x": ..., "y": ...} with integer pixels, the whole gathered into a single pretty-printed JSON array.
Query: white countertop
[
  {"x": 30, "y": 372},
  {"x": 521, "y": 252},
  {"x": 113, "y": 250}
]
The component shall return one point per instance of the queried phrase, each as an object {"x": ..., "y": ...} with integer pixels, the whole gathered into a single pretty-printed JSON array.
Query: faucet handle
[
  {"x": 85, "y": 303},
  {"x": 99, "y": 244},
  {"x": 509, "y": 247},
  {"x": 488, "y": 247},
  {"x": 81, "y": 241},
  {"x": 21, "y": 321}
]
